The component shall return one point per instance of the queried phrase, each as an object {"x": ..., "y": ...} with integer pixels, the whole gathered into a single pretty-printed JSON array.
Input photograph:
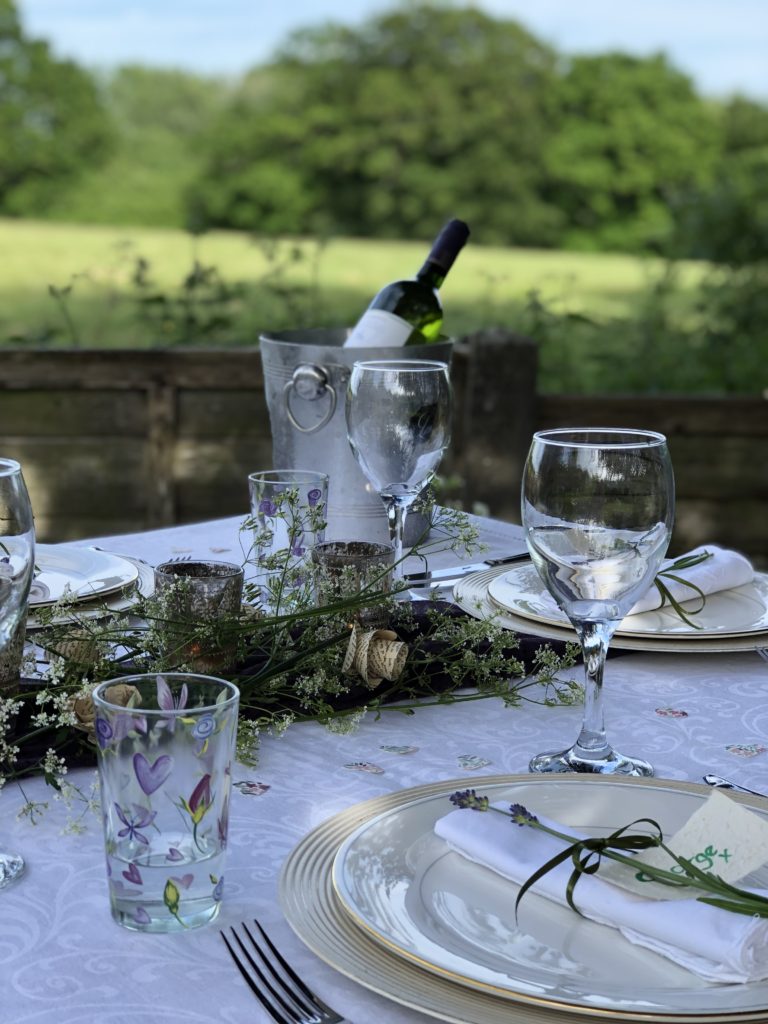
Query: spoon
[{"x": 718, "y": 783}]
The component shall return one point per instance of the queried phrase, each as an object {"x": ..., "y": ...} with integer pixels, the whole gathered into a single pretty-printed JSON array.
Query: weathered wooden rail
[{"x": 116, "y": 441}]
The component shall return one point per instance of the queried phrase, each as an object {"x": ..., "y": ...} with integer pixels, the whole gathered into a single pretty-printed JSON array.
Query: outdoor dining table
[{"x": 63, "y": 960}]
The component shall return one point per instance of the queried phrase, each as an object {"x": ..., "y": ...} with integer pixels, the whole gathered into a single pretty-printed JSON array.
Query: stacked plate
[
  {"x": 731, "y": 620},
  {"x": 98, "y": 582},
  {"x": 378, "y": 896}
]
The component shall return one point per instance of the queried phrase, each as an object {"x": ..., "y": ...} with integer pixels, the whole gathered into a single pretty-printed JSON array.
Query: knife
[{"x": 457, "y": 572}]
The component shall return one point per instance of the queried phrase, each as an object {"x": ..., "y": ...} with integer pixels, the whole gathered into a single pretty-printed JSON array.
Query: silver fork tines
[{"x": 273, "y": 981}]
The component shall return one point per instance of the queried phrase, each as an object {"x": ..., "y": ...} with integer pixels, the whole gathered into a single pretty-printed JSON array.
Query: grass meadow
[{"x": 67, "y": 285}]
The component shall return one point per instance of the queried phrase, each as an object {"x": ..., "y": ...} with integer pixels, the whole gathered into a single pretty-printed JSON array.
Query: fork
[
  {"x": 273, "y": 981},
  {"x": 763, "y": 652}
]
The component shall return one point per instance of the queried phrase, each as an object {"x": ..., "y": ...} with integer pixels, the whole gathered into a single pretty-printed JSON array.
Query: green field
[
  {"x": 337, "y": 279},
  {"x": 604, "y": 322}
]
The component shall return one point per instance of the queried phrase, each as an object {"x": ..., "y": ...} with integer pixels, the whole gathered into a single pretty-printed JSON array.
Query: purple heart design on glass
[
  {"x": 152, "y": 776},
  {"x": 166, "y": 778},
  {"x": 133, "y": 875}
]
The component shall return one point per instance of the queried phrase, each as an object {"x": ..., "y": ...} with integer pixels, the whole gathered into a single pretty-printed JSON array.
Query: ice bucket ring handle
[{"x": 310, "y": 382}]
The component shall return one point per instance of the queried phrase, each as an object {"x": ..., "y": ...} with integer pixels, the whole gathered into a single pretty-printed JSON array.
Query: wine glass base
[
  {"x": 11, "y": 868},
  {"x": 611, "y": 762}
]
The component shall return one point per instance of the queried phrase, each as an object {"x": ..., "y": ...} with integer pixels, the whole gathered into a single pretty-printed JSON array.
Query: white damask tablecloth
[{"x": 64, "y": 961}]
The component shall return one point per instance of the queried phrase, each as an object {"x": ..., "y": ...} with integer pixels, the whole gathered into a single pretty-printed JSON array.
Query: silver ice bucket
[{"x": 305, "y": 379}]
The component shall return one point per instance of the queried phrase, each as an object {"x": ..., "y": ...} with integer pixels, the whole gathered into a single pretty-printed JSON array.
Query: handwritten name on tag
[{"x": 722, "y": 838}]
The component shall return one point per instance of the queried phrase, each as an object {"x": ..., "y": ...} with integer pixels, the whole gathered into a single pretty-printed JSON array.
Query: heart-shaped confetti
[
  {"x": 140, "y": 916},
  {"x": 671, "y": 713},
  {"x": 185, "y": 881},
  {"x": 364, "y": 766},
  {"x": 746, "y": 749},
  {"x": 471, "y": 762},
  {"x": 174, "y": 855},
  {"x": 252, "y": 788}
]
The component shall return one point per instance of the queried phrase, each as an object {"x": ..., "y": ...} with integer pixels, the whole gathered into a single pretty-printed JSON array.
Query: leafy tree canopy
[
  {"x": 388, "y": 129},
  {"x": 52, "y": 122},
  {"x": 633, "y": 135},
  {"x": 726, "y": 218},
  {"x": 160, "y": 117}
]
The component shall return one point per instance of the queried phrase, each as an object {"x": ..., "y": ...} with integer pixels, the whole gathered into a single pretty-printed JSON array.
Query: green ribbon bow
[{"x": 670, "y": 573}]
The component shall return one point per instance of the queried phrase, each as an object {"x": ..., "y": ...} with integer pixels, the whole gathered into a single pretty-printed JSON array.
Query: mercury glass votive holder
[
  {"x": 191, "y": 596},
  {"x": 347, "y": 568}
]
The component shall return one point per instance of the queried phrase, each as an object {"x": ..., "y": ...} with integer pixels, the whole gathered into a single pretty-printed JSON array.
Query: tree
[
  {"x": 159, "y": 118},
  {"x": 726, "y": 220},
  {"x": 388, "y": 129},
  {"x": 52, "y": 122},
  {"x": 634, "y": 135}
]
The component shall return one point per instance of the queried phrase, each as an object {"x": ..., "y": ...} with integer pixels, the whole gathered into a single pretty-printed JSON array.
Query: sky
[{"x": 721, "y": 44}]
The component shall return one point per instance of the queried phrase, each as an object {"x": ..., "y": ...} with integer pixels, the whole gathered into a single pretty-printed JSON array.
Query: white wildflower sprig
[{"x": 288, "y": 666}]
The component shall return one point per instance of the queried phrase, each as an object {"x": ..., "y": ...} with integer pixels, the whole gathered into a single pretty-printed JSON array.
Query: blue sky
[{"x": 722, "y": 44}]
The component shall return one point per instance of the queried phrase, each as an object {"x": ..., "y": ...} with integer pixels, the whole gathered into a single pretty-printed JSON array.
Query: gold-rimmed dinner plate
[
  {"x": 118, "y": 601},
  {"x": 553, "y": 968},
  {"x": 84, "y": 573},
  {"x": 737, "y": 611},
  {"x": 471, "y": 594}
]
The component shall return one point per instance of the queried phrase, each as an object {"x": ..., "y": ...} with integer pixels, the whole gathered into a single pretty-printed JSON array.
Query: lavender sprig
[{"x": 467, "y": 798}]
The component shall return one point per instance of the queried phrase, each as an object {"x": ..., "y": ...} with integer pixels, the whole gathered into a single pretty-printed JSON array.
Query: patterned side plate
[
  {"x": 735, "y": 612},
  {"x": 471, "y": 594},
  {"x": 121, "y": 600},
  {"x": 85, "y": 572}
]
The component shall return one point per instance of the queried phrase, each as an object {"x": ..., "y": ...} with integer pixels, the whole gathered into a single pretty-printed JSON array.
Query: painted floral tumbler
[{"x": 165, "y": 748}]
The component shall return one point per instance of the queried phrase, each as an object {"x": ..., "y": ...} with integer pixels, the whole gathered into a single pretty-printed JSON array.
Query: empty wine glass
[
  {"x": 398, "y": 425},
  {"x": 17, "y": 560},
  {"x": 597, "y": 508}
]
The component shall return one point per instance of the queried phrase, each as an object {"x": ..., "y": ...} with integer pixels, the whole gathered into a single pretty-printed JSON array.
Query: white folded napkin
[
  {"x": 723, "y": 571},
  {"x": 715, "y": 944}
]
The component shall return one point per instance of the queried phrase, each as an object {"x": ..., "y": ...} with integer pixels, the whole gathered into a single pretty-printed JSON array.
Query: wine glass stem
[
  {"x": 594, "y": 637},
  {"x": 397, "y": 509}
]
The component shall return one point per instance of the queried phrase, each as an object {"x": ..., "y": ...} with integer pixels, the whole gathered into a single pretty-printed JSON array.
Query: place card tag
[{"x": 722, "y": 838}]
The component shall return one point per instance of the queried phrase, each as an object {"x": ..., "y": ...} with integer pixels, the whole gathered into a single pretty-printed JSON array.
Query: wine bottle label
[{"x": 377, "y": 328}]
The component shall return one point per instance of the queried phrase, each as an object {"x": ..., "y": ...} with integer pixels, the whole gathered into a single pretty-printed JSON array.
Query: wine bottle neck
[
  {"x": 431, "y": 274},
  {"x": 444, "y": 251}
]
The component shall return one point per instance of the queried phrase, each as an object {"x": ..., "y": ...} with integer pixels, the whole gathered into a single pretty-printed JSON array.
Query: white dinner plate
[
  {"x": 471, "y": 594},
  {"x": 316, "y": 914},
  {"x": 118, "y": 601},
  {"x": 405, "y": 887},
  {"x": 735, "y": 612},
  {"x": 87, "y": 573}
]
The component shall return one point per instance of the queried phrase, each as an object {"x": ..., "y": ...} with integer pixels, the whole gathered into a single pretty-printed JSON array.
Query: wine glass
[
  {"x": 597, "y": 508},
  {"x": 398, "y": 424},
  {"x": 17, "y": 562}
]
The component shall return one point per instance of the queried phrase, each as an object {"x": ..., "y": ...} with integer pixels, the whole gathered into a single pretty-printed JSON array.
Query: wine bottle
[{"x": 409, "y": 312}]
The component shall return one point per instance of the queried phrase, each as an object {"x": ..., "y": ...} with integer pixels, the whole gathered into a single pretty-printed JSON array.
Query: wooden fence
[{"x": 117, "y": 441}]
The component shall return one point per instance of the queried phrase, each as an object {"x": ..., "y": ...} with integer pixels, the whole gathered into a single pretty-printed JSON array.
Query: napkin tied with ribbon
[
  {"x": 724, "y": 570},
  {"x": 718, "y": 945}
]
